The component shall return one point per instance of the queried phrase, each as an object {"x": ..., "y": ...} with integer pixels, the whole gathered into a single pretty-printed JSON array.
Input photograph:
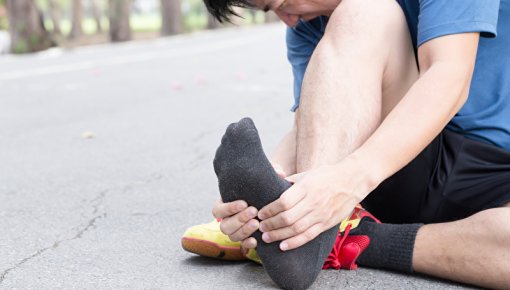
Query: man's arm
[
  {"x": 326, "y": 195},
  {"x": 446, "y": 65}
]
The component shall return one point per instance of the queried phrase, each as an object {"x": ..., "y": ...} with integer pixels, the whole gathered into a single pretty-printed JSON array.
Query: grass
[
  {"x": 139, "y": 23},
  {"x": 150, "y": 23}
]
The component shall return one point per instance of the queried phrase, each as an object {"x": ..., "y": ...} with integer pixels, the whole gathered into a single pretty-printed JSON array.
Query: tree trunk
[
  {"x": 26, "y": 27},
  {"x": 54, "y": 11},
  {"x": 171, "y": 17},
  {"x": 119, "y": 11},
  {"x": 77, "y": 17},
  {"x": 96, "y": 12},
  {"x": 212, "y": 23}
]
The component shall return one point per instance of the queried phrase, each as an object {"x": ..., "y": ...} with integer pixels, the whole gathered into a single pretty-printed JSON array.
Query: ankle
[{"x": 391, "y": 245}]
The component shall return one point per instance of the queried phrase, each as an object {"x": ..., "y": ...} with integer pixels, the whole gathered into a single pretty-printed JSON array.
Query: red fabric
[
  {"x": 354, "y": 246},
  {"x": 347, "y": 248},
  {"x": 345, "y": 251},
  {"x": 333, "y": 261}
]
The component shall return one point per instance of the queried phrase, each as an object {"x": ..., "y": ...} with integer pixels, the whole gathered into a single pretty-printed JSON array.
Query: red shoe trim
[
  {"x": 333, "y": 261},
  {"x": 354, "y": 246}
]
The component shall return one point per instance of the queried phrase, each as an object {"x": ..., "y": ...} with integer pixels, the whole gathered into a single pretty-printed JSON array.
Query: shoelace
[{"x": 333, "y": 259}]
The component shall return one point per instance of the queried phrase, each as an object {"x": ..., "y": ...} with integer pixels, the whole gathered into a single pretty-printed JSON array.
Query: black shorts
[{"x": 453, "y": 178}]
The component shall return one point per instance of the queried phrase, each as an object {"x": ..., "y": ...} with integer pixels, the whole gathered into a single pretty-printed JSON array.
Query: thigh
[
  {"x": 453, "y": 178},
  {"x": 404, "y": 197},
  {"x": 382, "y": 24},
  {"x": 479, "y": 180}
]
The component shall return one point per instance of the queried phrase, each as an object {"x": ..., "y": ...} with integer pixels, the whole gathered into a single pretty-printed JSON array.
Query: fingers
[
  {"x": 286, "y": 201},
  {"x": 231, "y": 225},
  {"x": 223, "y": 210},
  {"x": 301, "y": 239},
  {"x": 237, "y": 221},
  {"x": 245, "y": 231},
  {"x": 286, "y": 218},
  {"x": 297, "y": 228},
  {"x": 249, "y": 243},
  {"x": 310, "y": 232},
  {"x": 295, "y": 177}
]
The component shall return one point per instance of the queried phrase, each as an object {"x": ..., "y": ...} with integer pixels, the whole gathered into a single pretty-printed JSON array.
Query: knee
[
  {"x": 373, "y": 20},
  {"x": 497, "y": 223}
]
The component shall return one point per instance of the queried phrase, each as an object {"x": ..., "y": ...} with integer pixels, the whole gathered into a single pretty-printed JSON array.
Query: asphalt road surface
[{"x": 106, "y": 158}]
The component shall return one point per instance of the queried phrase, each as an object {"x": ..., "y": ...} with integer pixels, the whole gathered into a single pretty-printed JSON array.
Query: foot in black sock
[
  {"x": 391, "y": 245},
  {"x": 245, "y": 173}
]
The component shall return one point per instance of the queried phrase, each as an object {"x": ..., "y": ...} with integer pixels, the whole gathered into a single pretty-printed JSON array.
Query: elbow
[
  {"x": 462, "y": 84},
  {"x": 462, "y": 99},
  {"x": 456, "y": 81}
]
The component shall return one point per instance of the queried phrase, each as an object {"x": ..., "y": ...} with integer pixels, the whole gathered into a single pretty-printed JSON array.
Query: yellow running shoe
[
  {"x": 251, "y": 254},
  {"x": 208, "y": 240},
  {"x": 357, "y": 214}
]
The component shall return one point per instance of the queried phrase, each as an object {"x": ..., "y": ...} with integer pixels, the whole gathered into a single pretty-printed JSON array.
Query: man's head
[{"x": 289, "y": 11}]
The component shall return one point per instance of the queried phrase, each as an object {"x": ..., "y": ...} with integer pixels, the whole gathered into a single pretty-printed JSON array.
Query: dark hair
[{"x": 223, "y": 10}]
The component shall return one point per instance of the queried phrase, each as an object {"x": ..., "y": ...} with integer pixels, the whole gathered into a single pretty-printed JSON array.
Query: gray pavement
[{"x": 107, "y": 212}]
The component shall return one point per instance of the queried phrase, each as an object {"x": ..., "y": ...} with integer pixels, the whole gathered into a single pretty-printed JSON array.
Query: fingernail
[
  {"x": 240, "y": 206},
  {"x": 261, "y": 216},
  {"x": 284, "y": 246},
  {"x": 263, "y": 227},
  {"x": 252, "y": 212},
  {"x": 265, "y": 237}
]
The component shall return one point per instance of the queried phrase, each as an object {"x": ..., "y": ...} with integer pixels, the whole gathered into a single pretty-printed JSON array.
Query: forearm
[{"x": 421, "y": 115}]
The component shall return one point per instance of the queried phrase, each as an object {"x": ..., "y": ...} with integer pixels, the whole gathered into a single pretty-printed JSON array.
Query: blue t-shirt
[{"x": 486, "y": 114}]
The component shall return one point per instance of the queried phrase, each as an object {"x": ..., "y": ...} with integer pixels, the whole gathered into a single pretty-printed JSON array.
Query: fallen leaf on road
[{"x": 88, "y": 135}]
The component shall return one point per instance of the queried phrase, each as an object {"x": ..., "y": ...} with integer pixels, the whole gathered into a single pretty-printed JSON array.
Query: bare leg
[
  {"x": 357, "y": 74},
  {"x": 475, "y": 250},
  {"x": 284, "y": 155}
]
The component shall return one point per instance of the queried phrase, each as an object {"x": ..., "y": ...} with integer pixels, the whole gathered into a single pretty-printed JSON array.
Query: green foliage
[
  {"x": 3, "y": 18},
  {"x": 193, "y": 22},
  {"x": 4, "y": 23},
  {"x": 62, "y": 4},
  {"x": 34, "y": 40},
  {"x": 194, "y": 17},
  {"x": 20, "y": 47}
]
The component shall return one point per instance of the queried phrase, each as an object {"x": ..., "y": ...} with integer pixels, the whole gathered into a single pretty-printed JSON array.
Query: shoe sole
[{"x": 211, "y": 249}]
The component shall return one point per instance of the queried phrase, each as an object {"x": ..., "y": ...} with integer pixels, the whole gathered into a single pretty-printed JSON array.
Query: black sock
[
  {"x": 244, "y": 172},
  {"x": 391, "y": 245}
]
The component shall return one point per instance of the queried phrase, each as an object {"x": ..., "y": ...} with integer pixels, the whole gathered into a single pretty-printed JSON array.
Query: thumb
[
  {"x": 295, "y": 177},
  {"x": 279, "y": 170}
]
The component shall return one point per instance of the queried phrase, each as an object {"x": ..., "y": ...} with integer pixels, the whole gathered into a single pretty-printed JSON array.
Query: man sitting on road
[{"x": 404, "y": 108}]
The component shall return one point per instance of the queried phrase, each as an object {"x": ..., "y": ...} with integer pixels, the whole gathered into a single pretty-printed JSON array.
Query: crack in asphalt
[
  {"x": 96, "y": 203},
  {"x": 91, "y": 224}
]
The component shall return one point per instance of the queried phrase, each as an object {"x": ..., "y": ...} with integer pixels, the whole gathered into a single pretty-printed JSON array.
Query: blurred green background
[{"x": 33, "y": 25}]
